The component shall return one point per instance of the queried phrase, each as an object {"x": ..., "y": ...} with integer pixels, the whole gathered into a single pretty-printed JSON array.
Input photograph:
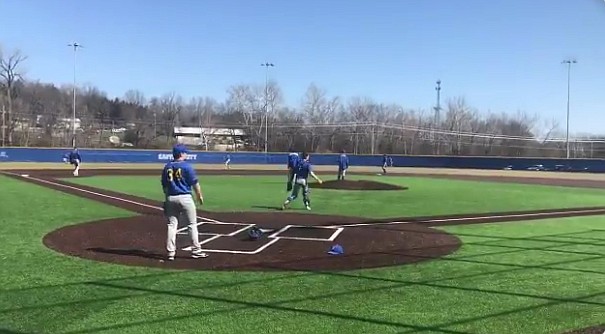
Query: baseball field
[{"x": 425, "y": 251}]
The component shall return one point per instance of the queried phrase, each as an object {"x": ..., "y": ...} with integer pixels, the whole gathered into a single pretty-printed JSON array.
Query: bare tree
[
  {"x": 458, "y": 120},
  {"x": 135, "y": 97},
  {"x": 316, "y": 113},
  {"x": 10, "y": 73},
  {"x": 247, "y": 103},
  {"x": 171, "y": 106}
]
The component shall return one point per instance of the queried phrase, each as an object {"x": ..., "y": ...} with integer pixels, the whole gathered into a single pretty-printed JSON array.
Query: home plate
[{"x": 25, "y": 175}]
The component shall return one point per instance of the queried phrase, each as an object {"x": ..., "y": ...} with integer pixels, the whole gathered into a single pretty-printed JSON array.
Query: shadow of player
[
  {"x": 127, "y": 252},
  {"x": 275, "y": 208}
]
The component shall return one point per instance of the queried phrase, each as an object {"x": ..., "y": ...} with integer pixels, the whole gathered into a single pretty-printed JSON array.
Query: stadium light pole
[
  {"x": 437, "y": 113},
  {"x": 438, "y": 106},
  {"x": 267, "y": 65},
  {"x": 73, "y": 119},
  {"x": 568, "y": 62}
]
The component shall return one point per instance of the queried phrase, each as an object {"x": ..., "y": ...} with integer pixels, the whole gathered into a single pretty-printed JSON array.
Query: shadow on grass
[
  {"x": 10, "y": 331},
  {"x": 389, "y": 284},
  {"x": 266, "y": 207},
  {"x": 279, "y": 306},
  {"x": 386, "y": 284},
  {"x": 127, "y": 252}
]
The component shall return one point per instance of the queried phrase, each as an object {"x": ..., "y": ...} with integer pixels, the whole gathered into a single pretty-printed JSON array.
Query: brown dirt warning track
[{"x": 292, "y": 241}]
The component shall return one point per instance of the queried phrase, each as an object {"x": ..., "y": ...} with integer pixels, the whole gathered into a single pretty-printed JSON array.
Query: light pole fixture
[
  {"x": 73, "y": 120},
  {"x": 568, "y": 62},
  {"x": 267, "y": 65}
]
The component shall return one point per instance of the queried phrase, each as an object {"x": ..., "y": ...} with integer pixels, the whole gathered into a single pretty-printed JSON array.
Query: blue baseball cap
[
  {"x": 336, "y": 250},
  {"x": 179, "y": 149}
]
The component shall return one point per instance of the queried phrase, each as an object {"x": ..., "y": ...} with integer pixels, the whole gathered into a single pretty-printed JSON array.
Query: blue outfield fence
[{"x": 14, "y": 154}]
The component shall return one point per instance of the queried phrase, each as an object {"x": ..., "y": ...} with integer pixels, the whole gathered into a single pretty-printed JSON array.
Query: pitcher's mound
[{"x": 356, "y": 185}]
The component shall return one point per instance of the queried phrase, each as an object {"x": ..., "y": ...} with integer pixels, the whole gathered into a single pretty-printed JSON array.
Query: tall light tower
[
  {"x": 267, "y": 65},
  {"x": 438, "y": 106},
  {"x": 73, "y": 120},
  {"x": 568, "y": 62},
  {"x": 437, "y": 115}
]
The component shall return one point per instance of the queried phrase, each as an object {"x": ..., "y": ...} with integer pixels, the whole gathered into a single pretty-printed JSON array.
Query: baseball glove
[{"x": 289, "y": 186}]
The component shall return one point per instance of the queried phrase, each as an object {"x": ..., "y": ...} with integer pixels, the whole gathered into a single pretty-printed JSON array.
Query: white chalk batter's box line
[
  {"x": 333, "y": 236},
  {"x": 337, "y": 231},
  {"x": 183, "y": 230},
  {"x": 275, "y": 236}
]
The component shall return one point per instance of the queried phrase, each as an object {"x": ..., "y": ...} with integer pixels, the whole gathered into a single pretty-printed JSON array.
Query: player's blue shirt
[
  {"x": 177, "y": 178},
  {"x": 293, "y": 160},
  {"x": 227, "y": 157},
  {"x": 303, "y": 169},
  {"x": 74, "y": 155},
  {"x": 343, "y": 161},
  {"x": 384, "y": 160}
]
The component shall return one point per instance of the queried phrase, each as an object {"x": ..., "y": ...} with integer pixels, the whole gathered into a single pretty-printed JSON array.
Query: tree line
[{"x": 35, "y": 113}]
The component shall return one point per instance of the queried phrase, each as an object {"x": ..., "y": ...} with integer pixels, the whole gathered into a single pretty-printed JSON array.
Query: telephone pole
[
  {"x": 568, "y": 62},
  {"x": 73, "y": 119},
  {"x": 267, "y": 65}
]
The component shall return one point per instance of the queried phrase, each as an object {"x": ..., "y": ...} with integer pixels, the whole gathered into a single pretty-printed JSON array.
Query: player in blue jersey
[
  {"x": 227, "y": 161},
  {"x": 303, "y": 170},
  {"x": 75, "y": 159},
  {"x": 385, "y": 163},
  {"x": 293, "y": 160},
  {"x": 343, "y": 165},
  {"x": 178, "y": 180}
]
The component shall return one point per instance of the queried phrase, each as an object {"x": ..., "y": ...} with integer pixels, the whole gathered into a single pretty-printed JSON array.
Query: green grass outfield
[
  {"x": 426, "y": 196},
  {"x": 524, "y": 277}
]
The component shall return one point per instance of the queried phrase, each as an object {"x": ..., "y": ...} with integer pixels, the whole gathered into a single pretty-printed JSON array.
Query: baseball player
[
  {"x": 302, "y": 172},
  {"x": 385, "y": 163},
  {"x": 343, "y": 165},
  {"x": 178, "y": 179},
  {"x": 293, "y": 160},
  {"x": 75, "y": 159},
  {"x": 227, "y": 160}
]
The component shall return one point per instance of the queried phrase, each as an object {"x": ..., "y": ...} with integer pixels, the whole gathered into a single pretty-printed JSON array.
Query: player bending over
[
  {"x": 302, "y": 172},
  {"x": 75, "y": 160},
  {"x": 178, "y": 177},
  {"x": 293, "y": 160},
  {"x": 343, "y": 165}
]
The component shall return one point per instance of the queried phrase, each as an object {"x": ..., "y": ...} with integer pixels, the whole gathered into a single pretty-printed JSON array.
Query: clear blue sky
[{"x": 501, "y": 55}]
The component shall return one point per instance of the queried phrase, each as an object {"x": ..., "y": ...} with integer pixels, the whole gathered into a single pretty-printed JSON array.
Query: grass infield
[{"x": 425, "y": 196}]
